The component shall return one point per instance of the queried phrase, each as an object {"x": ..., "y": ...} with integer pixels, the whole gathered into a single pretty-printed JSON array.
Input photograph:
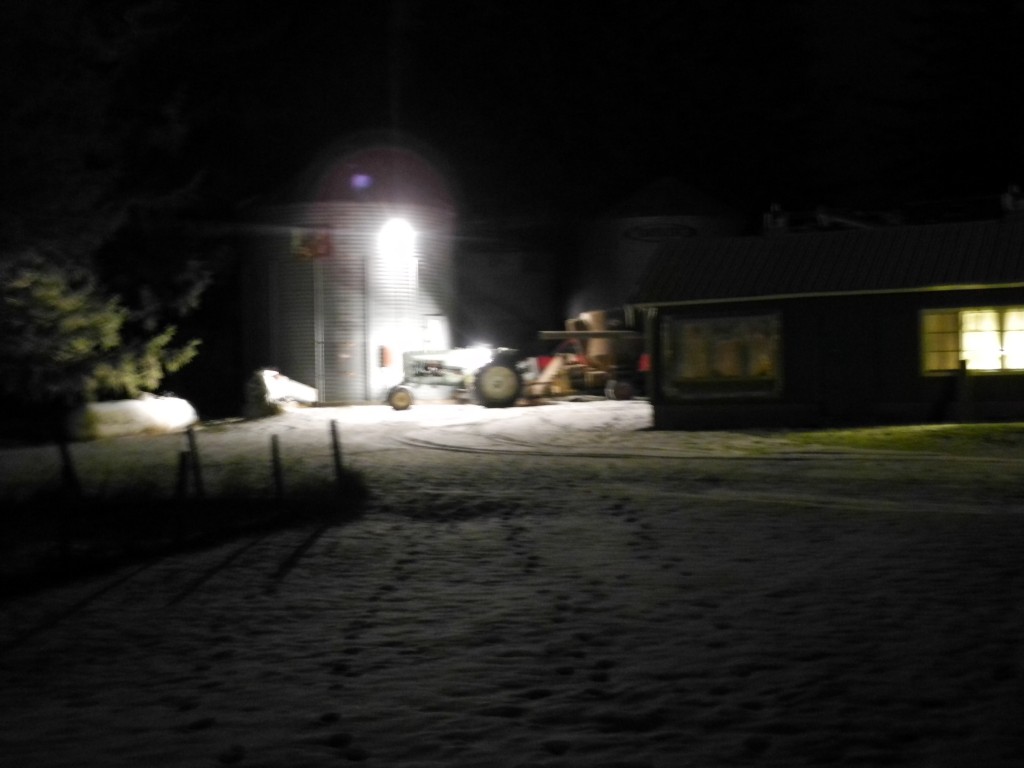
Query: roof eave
[{"x": 825, "y": 294}]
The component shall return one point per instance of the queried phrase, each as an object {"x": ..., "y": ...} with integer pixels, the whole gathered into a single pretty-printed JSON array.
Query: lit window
[
  {"x": 1013, "y": 339},
  {"x": 986, "y": 339},
  {"x": 980, "y": 340}
]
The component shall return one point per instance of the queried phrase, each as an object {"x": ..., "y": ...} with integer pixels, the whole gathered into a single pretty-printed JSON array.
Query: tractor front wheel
[
  {"x": 497, "y": 385},
  {"x": 400, "y": 398}
]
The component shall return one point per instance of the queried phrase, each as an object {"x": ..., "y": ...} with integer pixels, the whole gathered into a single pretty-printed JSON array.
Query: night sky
[
  {"x": 142, "y": 110},
  {"x": 560, "y": 108},
  {"x": 568, "y": 107}
]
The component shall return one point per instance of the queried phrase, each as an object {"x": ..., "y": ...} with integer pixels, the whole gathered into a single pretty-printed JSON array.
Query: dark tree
[{"x": 86, "y": 147}]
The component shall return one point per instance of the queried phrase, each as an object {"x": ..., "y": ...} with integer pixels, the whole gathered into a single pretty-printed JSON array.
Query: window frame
[
  {"x": 928, "y": 350},
  {"x": 681, "y": 386}
]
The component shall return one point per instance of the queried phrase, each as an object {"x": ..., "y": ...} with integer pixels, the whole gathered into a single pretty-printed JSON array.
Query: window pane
[
  {"x": 979, "y": 320},
  {"x": 942, "y": 360},
  {"x": 1013, "y": 320},
  {"x": 980, "y": 339},
  {"x": 1013, "y": 349},
  {"x": 941, "y": 322},
  {"x": 696, "y": 348},
  {"x": 982, "y": 351},
  {"x": 941, "y": 340}
]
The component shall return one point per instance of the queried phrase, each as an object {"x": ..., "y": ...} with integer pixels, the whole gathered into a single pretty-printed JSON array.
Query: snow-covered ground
[{"x": 555, "y": 585}]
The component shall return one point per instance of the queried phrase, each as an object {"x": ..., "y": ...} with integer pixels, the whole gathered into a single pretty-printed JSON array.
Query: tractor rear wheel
[{"x": 497, "y": 385}]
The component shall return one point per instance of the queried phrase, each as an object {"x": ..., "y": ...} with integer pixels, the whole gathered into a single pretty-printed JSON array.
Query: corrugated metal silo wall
[
  {"x": 287, "y": 286},
  {"x": 295, "y": 336},
  {"x": 339, "y": 309},
  {"x": 435, "y": 295},
  {"x": 333, "y": 317},
  {"x": 268, "y": 279},
  {"x": 409, "y": 300}
]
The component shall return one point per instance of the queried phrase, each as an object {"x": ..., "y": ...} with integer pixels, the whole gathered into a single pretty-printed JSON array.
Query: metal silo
[
  {"x": 617, "y": 247},
  {"x": 335, "y": 312}
]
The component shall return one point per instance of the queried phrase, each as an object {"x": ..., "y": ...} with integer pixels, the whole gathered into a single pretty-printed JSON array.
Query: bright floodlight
[
  {"x": 471, "y": 358},
  {"x": 396, "y": 240}
]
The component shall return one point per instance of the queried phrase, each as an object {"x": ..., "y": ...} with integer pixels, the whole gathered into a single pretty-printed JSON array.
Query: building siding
[{"x": 848, "y": 359}]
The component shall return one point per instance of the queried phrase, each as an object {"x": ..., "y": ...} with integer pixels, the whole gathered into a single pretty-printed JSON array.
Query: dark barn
[{"x": 887, "y": 324}]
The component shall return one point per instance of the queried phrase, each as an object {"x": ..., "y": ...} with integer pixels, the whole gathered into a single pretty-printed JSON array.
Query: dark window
[{"x": 721, "y": 356}]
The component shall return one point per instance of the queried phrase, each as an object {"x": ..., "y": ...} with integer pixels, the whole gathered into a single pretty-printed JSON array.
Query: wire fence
[{"x": 76, "y": 524}]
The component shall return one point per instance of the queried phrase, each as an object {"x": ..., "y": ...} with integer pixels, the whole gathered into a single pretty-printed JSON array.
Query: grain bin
[
  {"x": 327, "y": 305},
  {"x": 617, "y": 247}
]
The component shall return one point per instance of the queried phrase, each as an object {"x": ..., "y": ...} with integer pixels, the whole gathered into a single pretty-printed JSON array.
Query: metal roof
[{"x": 880, "y": 260}]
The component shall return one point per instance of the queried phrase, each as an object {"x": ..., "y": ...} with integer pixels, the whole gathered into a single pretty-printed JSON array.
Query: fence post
[
  {"x": 336, "y": 447},
  {"x": 181, "y": 484},
  {"x": 69, "y": 477},
  {"x": 197, "y": 470},
  {"x": 275, "y": 458},
  {"x": 70, "y": 485}
]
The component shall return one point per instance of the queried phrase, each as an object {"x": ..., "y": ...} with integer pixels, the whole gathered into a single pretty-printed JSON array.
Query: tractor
[
  {"x": 590, "y": 359},
  {"x": 491, "y": 377}
]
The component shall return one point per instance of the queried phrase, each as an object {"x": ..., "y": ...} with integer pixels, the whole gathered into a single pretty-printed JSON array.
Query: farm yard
[{"x": 554, "y": 585}]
